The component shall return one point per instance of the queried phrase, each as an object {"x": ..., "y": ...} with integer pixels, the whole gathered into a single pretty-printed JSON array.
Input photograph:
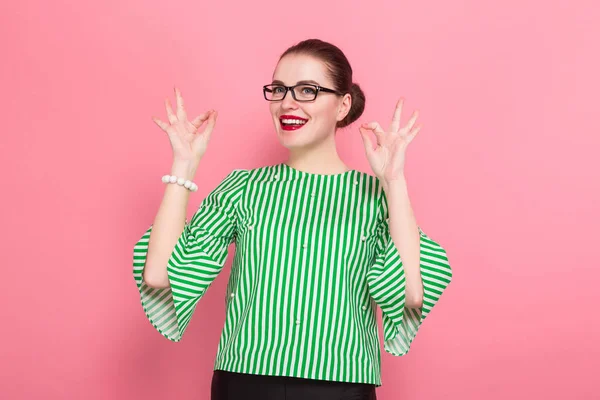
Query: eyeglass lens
[{"x": 301, "y": 92}]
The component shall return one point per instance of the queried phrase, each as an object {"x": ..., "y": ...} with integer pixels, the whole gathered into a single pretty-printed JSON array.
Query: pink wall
[{"x": 505, "y": 174}]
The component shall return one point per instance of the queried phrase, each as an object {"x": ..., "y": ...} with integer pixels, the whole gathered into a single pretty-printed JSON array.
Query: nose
[{"x": 288, "y": 101}]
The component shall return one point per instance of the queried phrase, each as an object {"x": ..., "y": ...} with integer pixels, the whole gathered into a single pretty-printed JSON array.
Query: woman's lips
[{"x": 291, "y": 127}]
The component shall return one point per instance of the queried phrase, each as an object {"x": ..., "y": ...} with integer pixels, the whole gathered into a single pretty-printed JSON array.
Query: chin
[{"x": 299, "y": 138}]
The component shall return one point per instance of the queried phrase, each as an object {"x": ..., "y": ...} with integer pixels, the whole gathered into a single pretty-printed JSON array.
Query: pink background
[{"x": 504, "y": 174}]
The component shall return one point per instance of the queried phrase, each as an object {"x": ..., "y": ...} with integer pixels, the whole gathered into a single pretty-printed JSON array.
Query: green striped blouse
[{"x": 313, "y": 259}]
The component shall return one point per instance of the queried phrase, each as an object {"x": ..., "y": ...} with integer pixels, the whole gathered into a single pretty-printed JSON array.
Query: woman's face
[{"x": 321, "y": 114}]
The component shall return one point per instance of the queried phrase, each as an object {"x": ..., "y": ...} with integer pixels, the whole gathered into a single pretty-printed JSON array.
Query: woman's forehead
[{"x": 294, "y": 68}]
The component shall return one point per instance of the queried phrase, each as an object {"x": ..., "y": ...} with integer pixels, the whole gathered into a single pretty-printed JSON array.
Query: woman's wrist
[{"x": 184, "y": 169}]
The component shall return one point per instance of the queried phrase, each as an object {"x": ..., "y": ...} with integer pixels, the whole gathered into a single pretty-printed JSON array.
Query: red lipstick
[{"x": 291, "y": 126}]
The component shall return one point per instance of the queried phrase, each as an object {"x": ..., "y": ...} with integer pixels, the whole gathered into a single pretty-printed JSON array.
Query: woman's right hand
[{"x": 188, "y": 144}]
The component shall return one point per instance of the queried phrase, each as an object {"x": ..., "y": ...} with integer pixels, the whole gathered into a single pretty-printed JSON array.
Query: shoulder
[
  {"x": 238, "y": 178},
  {"x": 377, "y": 195},
  {"x": 235, "y": 178},
  {"x": 229, "y": 187},
  {"x": 372, "y": 183},
  {"x": 370, "y": 193},
  {"x": 238, "y": 172}
]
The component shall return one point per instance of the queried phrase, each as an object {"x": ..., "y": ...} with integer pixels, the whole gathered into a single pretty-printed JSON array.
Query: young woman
[{"x": 318, "y": 245}]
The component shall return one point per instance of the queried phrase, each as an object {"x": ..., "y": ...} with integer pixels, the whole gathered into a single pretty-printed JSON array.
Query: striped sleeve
[
  {"x": 196, "y": 260},
  {"x": 386, "y": 281}
]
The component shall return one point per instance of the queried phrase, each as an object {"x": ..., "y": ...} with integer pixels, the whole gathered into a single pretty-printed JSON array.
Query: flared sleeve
[
  {"x": 386, "y": 282},
  {"x": 196, "y": 260}
]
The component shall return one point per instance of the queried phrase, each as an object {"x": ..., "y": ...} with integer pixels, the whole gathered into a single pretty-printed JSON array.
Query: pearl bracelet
[{"x": 191, "y": 186}]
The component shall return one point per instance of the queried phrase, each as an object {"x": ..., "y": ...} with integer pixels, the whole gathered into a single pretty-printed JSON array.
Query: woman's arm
[
  {"x": 188, "y": 145},
  {"x": 405, "y": 235},
  {"x": 168, "y": 226},
  {"x": 387, "y": 162}
]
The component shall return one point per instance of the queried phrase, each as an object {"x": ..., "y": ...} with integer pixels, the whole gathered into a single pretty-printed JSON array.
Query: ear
[{"x": 344, "y": 106}]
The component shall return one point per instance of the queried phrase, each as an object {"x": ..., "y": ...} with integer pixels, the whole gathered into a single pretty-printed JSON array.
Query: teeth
[{"x": 293, "y": 121}]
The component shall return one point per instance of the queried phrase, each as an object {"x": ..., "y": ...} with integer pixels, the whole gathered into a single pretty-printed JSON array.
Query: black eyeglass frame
[{"x": 291, "y": 88}]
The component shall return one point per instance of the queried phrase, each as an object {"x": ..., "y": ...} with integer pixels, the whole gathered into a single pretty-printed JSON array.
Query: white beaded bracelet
[{"x": 191, "y": 186}]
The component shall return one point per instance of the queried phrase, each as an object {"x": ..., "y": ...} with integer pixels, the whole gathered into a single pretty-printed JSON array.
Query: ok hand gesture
[
  {"x": 387, "y": 159},
  {"x": 188, "y": 144}
]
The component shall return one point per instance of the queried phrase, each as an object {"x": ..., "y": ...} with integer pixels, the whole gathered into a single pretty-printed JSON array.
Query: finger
[
  {"x": 170, "y": 114},
  {"x": 181, "y": 115},
  {"x": 412, "y": 121},
  {"x": 162, "y": 125},
  {"x": 374, "y": 126},
  {"x": 414, "y": 132},
  {"x": 210, "y": 124},
  {"x": 377, "y": 130},
  {"x": 199, "y": 120},
  {"x": 395, "y": 126}
]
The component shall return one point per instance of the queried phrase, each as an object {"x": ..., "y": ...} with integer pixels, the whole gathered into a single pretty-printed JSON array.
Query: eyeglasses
[{"x": 301, "y": 92}]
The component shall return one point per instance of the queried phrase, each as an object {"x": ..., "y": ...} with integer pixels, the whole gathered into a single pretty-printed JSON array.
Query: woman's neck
[{"x": 322, "y": 159}]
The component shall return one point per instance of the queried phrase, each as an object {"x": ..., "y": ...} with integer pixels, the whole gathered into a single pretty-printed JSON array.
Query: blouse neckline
[{"x": 291, "y": 171}]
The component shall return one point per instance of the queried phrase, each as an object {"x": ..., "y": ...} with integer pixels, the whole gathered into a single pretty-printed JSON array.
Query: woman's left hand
[{"x": 387, "y": 159}]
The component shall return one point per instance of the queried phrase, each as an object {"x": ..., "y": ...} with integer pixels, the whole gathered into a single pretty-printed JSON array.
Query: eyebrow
[{"x": 298, "y": 83}]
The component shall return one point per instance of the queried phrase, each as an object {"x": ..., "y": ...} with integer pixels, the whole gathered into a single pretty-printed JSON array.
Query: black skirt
[{"x": 236, "y": 386}]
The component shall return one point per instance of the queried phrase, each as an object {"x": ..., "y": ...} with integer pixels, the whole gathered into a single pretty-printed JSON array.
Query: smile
[{"x": 291, "y": 122}]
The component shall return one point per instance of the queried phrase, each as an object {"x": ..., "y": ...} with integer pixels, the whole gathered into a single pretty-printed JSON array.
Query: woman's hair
[{"x": 338, "y": 69}]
